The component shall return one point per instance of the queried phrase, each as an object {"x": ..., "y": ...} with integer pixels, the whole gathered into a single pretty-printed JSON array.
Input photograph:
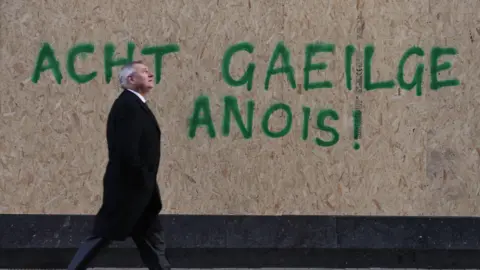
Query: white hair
[{"x": 127, "y": 70}]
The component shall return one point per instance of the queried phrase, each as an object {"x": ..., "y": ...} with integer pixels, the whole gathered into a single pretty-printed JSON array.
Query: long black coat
[{"x": 131, "y": 197}]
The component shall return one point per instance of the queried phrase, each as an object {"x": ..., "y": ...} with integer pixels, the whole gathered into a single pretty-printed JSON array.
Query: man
[{"x": 131, "y": 198}]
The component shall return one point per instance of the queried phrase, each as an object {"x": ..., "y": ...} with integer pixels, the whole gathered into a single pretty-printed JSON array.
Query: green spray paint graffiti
[
  {"x": 281, "y": 51},
  {"x": 47, "y": 54},
  {"x": 201, "y": 114}
]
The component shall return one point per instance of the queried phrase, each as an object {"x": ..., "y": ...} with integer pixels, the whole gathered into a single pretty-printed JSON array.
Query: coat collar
[{"x": 142, "y": 98}]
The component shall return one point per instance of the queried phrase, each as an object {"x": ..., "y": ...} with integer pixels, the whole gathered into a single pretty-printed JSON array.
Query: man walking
[{"x": 131, "y": 197}]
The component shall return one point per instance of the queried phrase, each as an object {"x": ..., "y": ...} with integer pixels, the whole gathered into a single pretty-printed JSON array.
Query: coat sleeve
[{"x": 129, "y": 131}]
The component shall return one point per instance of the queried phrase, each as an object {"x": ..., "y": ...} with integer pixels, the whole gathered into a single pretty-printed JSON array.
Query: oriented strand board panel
[{"x": 363, "y": 133}]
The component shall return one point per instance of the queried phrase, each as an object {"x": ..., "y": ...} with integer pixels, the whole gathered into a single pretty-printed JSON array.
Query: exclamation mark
[{"x": 357, "y": 124}]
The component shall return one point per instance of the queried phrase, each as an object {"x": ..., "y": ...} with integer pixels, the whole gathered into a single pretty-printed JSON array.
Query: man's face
[{"x": 142, "y": 78}]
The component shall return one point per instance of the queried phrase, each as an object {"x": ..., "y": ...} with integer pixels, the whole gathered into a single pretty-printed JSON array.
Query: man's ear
[{"x": 130, "y": 78}]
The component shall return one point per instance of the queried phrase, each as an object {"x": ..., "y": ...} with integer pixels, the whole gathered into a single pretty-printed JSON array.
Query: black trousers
[{"x": 150, "y": 244}]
